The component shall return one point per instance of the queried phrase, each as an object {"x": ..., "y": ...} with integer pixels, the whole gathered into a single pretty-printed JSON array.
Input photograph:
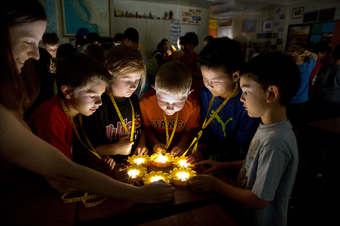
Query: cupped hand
[
  {"x": 119, "y": 174},
  {"x": 108, "y": 163},
  {"x": 209, "y": 166},
  {"x": 159, "y": 148},
  {"x": 123, "y": 146},
  {"x": 176, "y": 151},
  {"x": 196, "y": 157},
  {"x": 141, "y": 150},
  {"x": 157, "y": 192},
  {"x": 202, "y": 183}
]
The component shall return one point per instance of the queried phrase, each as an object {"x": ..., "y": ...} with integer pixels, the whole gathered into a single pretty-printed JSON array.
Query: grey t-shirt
[{"x": 269, "y": 170}]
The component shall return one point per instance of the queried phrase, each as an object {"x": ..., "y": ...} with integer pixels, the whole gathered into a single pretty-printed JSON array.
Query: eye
[{"x": 29, "y": 43}]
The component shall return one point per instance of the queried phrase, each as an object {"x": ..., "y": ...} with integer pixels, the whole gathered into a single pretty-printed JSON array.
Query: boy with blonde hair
[{"x": 170, "y": 114}]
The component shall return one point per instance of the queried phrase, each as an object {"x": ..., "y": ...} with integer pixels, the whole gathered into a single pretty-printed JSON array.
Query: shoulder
[
  {"x": 148, "y": 97},
  {"x": 192, "y": 102}
]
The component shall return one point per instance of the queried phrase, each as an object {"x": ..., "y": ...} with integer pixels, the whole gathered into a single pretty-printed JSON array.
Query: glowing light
[
  {"x": 139, "y": 161},
  {"x": 183, "y": 163},
  {"x": 133, "y": 173},
  {"x": 183, "y": 176},
  {"x": 157, "y": 178},
  {"x": 162, "y": 159}
]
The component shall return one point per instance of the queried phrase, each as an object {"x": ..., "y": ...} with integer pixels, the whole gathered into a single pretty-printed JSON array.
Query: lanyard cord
[
  {"x": 121, "y": 118},
  {"x": 91, "y": 149},
  {"x": 168, "y": 141},
  {"x": 206, "y": 123}
]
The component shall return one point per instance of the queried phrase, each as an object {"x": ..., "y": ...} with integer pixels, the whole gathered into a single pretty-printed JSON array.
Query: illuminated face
[
  {"x": 170, "y": 104},
  {"x": 88, "y": 101},
  {"x": 253, "y": 97},
  {"x": 52, "y": 49},
  {"x": 124, "y": 86},
  {"x": 25, "y": 39},
  {"x": 218, "y": 83}
]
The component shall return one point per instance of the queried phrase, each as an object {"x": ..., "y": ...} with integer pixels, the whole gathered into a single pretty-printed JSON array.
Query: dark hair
[
  {"x": 336, "y": 52},
  {"x": 82, "y": 32},
  {"x": 50, "y": 39},
  {"x": 95, "y": 51},
  {"x": 77, "y": 70},
  {"x": 321, "y": 47},
  {"x": 131, "y": 34},
  {"x": 42, "y": 65},
  {"x": 191, "y": 38},
  {"x": 221, "y": 53},
  {"x": 208, "y": 38},
  {"x": 119, "y": 37},
  {"x": 274, "y": 69},
  {"x": 93, "y": 37},
  {"x": 17, "y": 90},
  {"x": 65, "y": 50},
  {"x": 181, "y": 40},
  {"x": 80, "y": 41}
]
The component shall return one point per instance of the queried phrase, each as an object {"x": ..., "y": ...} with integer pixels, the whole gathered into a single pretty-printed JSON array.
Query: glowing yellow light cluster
[
  {"x": 155, "y": 176},
  {"x": 136, "y": 173},
  {"x": 143, "y": 160},
  {"x": 160, "y": 160},
  {"x": 181, "y": 162},
  {"x": 180, "y": 176}
]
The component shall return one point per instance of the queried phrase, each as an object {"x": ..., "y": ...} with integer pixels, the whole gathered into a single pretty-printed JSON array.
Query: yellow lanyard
[
  {"x": 206, "y": 123},
  {"x": 121, "y": 118},
  {"x": 168, "y": 141},
  {"x": 91, "y": 149}
]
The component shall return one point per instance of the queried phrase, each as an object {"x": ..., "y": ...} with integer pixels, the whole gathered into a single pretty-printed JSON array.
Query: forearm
[
  {"x": 233, "y": 165},
  {"x": 243, "y": 196},
  {"x": 106, "y": 149},
  {"x": 142, "y": 139}
]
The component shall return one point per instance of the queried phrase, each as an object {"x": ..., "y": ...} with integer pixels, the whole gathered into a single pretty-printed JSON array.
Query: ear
[
  {"x": 153, "y": 87},
  {"x": 236, "y": 76},
  {"x": 109, "y": 71},
  {"x": 273, "y": 93},
  {"x": 66, "y": 91},
  {"x": 191, "y": 91}
]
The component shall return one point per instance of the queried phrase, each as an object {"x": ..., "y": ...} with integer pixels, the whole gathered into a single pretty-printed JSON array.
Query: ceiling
[{"x": 222, "y": 8}]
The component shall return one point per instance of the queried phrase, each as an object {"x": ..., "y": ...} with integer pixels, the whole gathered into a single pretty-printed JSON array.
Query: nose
[
  {"x": 242, "y": 99},
  {"x": 34, "y": 52},
  {"x": 169, "y": 107},
  {"x": 208, "y": 84},
  {"x": 99, "y": 101},
  {"x": 134, "y": 84}
]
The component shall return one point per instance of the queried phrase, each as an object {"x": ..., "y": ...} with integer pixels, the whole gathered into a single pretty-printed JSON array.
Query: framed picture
[
  {"x": 95, "y": 17},
  {"x": 299, "y": 34},
  {"x": 326, "y": 14},
  {"x": 249, "y": 25},
  {"x": 267, "y": 25},
  {"x": 310, "y": 16},
  {"x": 297, "y": 12},
  {"x": 225, "y": 22}
]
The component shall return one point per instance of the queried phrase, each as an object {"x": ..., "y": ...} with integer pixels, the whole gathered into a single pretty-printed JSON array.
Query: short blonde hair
[
  {"x": 123, "y": 59},
  {"x": 173, "y": 78},
  {"x": 295, "y": 48}
]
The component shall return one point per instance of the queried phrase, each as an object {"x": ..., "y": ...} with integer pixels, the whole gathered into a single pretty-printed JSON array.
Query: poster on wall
[
  {"x": 310, "y": 16},
  {"x": 91, "y": 14},
  {"x": 326, "y": 14},
  {"x": 299, "y": 34},
  {"x": 191, "y": 16},
  {"x": 225, "y": 22},
  {"x": 249, "y": 25}
]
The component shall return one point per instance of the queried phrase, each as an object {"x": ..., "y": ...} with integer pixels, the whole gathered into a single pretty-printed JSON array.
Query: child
[
  {"x": 170, "y": 107},
  {"x": 26, "y": 20},
  {"x": 267, "y": 175},
  {"x": 228, "y": 135},
  {"x": 51, "y": 43},
  {"x": 190, "y": 60},
  {"x": 295, "y": 110},
  {"x": 105, "y": 129},
  {"x": 81, "y": 80}
]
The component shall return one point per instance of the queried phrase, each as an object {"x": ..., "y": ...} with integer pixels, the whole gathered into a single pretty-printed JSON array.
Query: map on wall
[
  {"x": 191, "y": 16},
  {"x": 50, "y": 13},
  {"x": 91, "y": 14}
]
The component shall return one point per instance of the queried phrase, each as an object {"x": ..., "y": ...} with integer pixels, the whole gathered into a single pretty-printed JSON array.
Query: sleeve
[
  {"x": 143, "y": 110},
  {"x": 51, "y": 129},
  {"x": 272, "y": 164}
]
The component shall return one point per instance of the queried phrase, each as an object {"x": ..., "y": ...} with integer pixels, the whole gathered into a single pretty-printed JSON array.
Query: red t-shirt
[{"x": 315, "y": 70}]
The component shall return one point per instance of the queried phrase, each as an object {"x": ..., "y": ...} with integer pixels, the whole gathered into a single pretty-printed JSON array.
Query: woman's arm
[{"x": 21, "y": 147}]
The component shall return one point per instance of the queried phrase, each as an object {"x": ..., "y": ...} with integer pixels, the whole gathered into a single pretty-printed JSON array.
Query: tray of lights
[
  {"x": 156, "y": 176},
  {"x": 180, "y": 176},
  {"x": 136, "y": 173},
  {"x": 181, "y": 161},
  {"x": 143, "y": 160},
  {"x": 161, "y": 160}
]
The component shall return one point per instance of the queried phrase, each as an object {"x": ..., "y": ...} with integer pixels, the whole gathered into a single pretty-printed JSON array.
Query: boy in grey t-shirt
[{"x": 267, "y": 174}]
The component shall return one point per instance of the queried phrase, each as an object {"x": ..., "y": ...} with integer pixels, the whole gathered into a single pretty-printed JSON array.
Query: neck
[
  {"x": 274, "y": 115},
  {"x": 73, "y": 112},
  {"x": 225, "y": 96}
]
